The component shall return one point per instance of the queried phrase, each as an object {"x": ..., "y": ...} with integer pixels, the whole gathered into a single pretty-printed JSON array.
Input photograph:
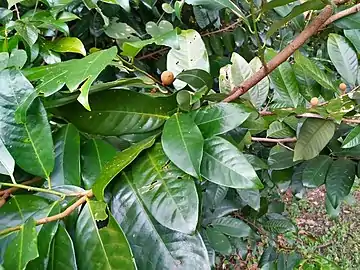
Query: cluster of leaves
[{"x": 176, "y": 176}]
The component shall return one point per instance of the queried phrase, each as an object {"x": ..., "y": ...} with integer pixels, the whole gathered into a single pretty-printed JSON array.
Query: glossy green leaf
[
  {"x": 330, "y": 210},
  {"x": 312, "y": 70},
  {"x": 17, "y": 58},
  {"x": 339, "y": 180},
  {"x": 95, "y": 153},
  {"x": 27, "y": 31},
  {"x": 309, "y": 88},
  {"x": 256, "y": 162},
  {"x": 7, "y": 163},
  {"x": 343, "y": 56},
  {"x": 196, "y": 78},
  {"x": 214, "y": 195},
  {"x": 68, "y": 44},
  {"x": 280, "y": 158},
  {"x": 183, "y": 143},
  {"x": 259, "y": 93},
  {"x": 121, "y": 32},
  {"x": 218, "y": 241},
  {"x": 315, "y": 171},
  {"x": 23, "y": 248},
  {"x": 354, "y": 36},
  {"x": 4, "y": 58},
  {"x": 352, "y": 139},
  {"x": 275, "y": 3},
  {"x": 279, "y": 129},
  {"x": 30, "y": 143},
  {"x": 178, "y": 8},
  {"x": 314, "y": 136},
  {"x": 220, "y": 118},
  {"x": 351, "y": 21},
  {"x": 225, "y": 165},
  {"x": 45, "y": 20},
  {"x": 285, "y": 83},
  {"x": 279, "y": 226},
  {"x": 269, "y": 255},
  {"x": 71, "y": 73},
  {"x": 117, "y": 164},
  {"x": 62, "y": 252},
  {"x": 168, "y": 193},
  {"x": 192, "y": 54},
  {"x": 67, "y": 157},
  {"x": 119, "y": 112},
  {"x": 232, "y": 226},
  {"x": 154, "y": 246},
  {"x": 105, "y": 248},
  {"x": 251, "y": 197}
]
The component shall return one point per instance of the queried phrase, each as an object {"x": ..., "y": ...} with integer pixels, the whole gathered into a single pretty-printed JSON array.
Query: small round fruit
[
  {"x": 314, "y": 101},
  {"x": 342, "y": 86},
  {"x": 167, "y": 77}
]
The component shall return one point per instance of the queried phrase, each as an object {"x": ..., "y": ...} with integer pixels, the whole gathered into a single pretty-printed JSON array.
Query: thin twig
[
  {"x": 13, "y": 189},
  {"x": 222, "y": 30},
  {"x": 62, "y": 215},
  {"x": 341, "y": 14},
  {"x": 31, "y": 188},
  {"x": 270, "y": 140}
]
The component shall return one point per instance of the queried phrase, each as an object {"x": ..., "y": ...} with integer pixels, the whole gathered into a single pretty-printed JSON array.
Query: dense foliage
[{"x": 106, "y": 164}]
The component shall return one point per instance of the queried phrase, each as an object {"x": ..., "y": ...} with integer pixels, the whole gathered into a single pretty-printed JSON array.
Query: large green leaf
[
  {"x": 30, "y": 142},
  {"x": 339, "y": 180},
  {"x": 279, "y": 129},
  {"x": 117, "y": 164},
  {"x": 315, "y": 171},
  {"x": 225, "y": 165},
  {"x": 218, "y": 241},
  {"x": 344, "y": 57},
  {"x": 352, "y": 139},
  {"x": 285, "y": 83},
  {"x": 168, "y": 193},
  {"x": 259, "y": 93},
  {"x": 251, "y": 197},
  {"x": 354, "y": 36},
  {"x": 67, "y": 157},
  {"x": 72, "y": 73},
  {"x": 183, "y": 143},
  {"x": 7, "y": 163},
  {"x": 23, "y": 248},
  {"x": 312, "y": 70},
  {"x": 232, "y": 226},
  {"x": 314, "y": 136},
  {"x": 192, "y": 54},
  {"x": 105, "y": 248},
  {"x": 119, "y": 112},
  {"x": 309, "y": 88},
  {"x": 67, "y": 44},
  {"x": 62, "y": 252},
  {"x": 154, "y": 246},
  {"x": 197, "y": 78},
  {"x": 351, "y": 21},
  {"x": 95, "y": 153},
  {"x": 220, "y": 118},
  {"x": 280, "y": 158}
]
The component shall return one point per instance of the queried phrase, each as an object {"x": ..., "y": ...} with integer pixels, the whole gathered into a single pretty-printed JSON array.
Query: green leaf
[
  {"x": 95, "y": 153},
  {"x": 44, "y": 239},
  {"x": 220, "y": 118},
  {"x": 315, "y": 171},
  {"x": 313, "y": 71},
  {"x": 178, "y": 8},
  {"x": 117, "y": 164},
  {"x": 269, "y": 255},
  {"x": 67, "y": 157},
  {"x": 285, "y": 83},
  {"x": 232, "y": 226},
  {"x": 259, "y": 93},
  {"x": 218, "y": 241},
  {"x": 90, "y": 4},
  {"x": 219, "y": 4},
  {"x": 234, "y": 74},
  {"x": 27, "y": 31},
  {"x": 349, "y": 22},
  {"x": 339, "y": 180},
  {"x": 314, "y": 136},
  {"x": 62, "y": 253},
  {"x": 30, "y": 143},
  {"x": 344, "y": 57},
  {"x": 309, "y": 88},
  {"x": 7, "y": 163},
  {"x": 71, "y": 73},
  {"x": 158, "y": 29},
  {"x": 279, "y": 226},
  {"x": 192, "y": 54},
  {"x": 68, "y": 44},
  {"x": 23, "y": 248},
  {"x": 168, "y": 193},
  {"x": 45, "y": 20},
  {"x": 105, "y": 248},
  {"x": 279, "y": 129},
  {"x": 121, "y": 32},
  {"x": 354, "y": 36},
  {"x": 17, "y": 58},
  {"x": 154, "y": 246},
  {"x": 196, "y": 78},
  {"x": 129, "y": 111},
  {"x": 251, "y": 197},
  {"x": 183, "y": 143},
  {"x": 352, "y": 139},
  {"x": 4, "y": 58},
  {"x": 222, "y": 158},
  {"x": 276, "y": 3},
  {"x": 280, "y": 158}
]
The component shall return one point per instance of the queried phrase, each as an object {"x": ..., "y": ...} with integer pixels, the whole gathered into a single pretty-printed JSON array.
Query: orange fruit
[
  {"x": 342, "y": 86},
  {"x": 167, "y": 78},
  {"x": 314, "y": 101}
]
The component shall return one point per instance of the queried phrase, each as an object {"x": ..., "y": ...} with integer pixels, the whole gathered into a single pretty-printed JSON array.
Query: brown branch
[
  {"x": 269, "y": 140},
  {"x": 13, "y": 189},
  {"x": 310, "y": 30},
  {"x": 222, "y": 30},
  {"x": 341, "y": 14},
  {"x": 61, "y": 215}
]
